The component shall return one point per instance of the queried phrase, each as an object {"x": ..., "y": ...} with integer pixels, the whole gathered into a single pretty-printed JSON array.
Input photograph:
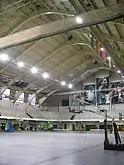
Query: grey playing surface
[{"x": 56, "y": 149}]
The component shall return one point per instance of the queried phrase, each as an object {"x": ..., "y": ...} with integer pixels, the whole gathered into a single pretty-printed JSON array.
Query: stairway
[
  {"x": 29, "y": 115},
  {"x": 23, "y": 125},
  {"x": 72, "y": 117}
]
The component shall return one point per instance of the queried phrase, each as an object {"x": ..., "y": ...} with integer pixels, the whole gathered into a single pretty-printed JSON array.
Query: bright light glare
[
  {"x": 20, "y": 64},
  {"x": 119, "y": 71},
  {"x": 45, "y": 75},
  {"x": 114, "y": 66},
  {"x": 70, "y": 86},
  {"x": 63, "y": 83},
  {"x": 122, "y": 76},
  {"x": 4, "y": 57},
  {"x": 34, "y": 70},
  {"x": 108, "y": 58},
  {"x": 102, "y": 49},
  {"x": 90, "y": 35},
  {"x": 79, "y": 20}
]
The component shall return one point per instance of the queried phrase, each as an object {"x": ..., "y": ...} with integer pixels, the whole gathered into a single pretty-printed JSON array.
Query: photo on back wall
[
  {"x": 75, "y": 101},
  {"x": 117, "y": 92},
  {"x": 89, "y": 94},
  {"x": 102, "y": 90}
]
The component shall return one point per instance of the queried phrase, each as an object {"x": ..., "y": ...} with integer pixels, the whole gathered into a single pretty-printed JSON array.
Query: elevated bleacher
[{"x": 19, "y": 110}]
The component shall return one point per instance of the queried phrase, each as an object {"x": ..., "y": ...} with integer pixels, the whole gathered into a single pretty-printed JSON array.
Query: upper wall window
[
  {"x": 33, "y": 101},
  {"x": 21, "y": 98},
  {"x": 65, "y": 102},
  {"x": 6, "y": 94}
]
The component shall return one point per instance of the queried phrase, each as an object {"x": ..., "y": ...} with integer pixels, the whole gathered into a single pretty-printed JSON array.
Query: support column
[{"x": 26, "y": 97}]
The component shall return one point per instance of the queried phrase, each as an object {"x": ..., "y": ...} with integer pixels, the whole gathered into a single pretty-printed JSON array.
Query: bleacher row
[{"x": 20, "y": 110}]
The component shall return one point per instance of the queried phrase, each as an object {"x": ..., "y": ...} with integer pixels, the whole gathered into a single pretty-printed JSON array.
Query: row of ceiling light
[{"x": 34, "y": 70}]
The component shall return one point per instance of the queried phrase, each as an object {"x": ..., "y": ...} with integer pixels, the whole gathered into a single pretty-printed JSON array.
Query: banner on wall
[
  {"x": 117, "y": 92},
  {"x": 75, "y": 102},
  {"x": 102, "y": 91},
  {"x": 89, "y": 94}
]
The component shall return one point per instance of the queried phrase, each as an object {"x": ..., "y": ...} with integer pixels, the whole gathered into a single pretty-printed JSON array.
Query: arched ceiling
[{"x": 62, "y": 55}]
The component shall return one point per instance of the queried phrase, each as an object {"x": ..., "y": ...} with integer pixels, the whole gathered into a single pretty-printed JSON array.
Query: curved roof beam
[
  {"x": 35, "y": 15},
  {"x": 60, "y": 47},
  {"x": 75, "y": 66},
  {"x": 57, "y": 27},
  {"x": 41, "y": 100},
  {"x": 30, "y": 98},
  {"x": 2, "y": 90},
  {"x": 88, "y": 63},
  {"x": 34, "y": 44},
  {"x": 51, "y": 12},
  {"x": 65, "y": 46},
  {"x": 112, "y": 51},
  {"x": 68, "y": 59},
  {"x": 91, "y": 70}
]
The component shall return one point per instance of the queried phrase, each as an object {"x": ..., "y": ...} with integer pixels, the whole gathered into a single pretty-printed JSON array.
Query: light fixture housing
[
  {"x": 102, "y": 49},
  {"x": 108, "y": 58},
  {"x": 90, "y": 35},
  {"x": 119, "y": 71},
  {"x": 34, "y": 70},
  {"x": 45, "y": 75},
  {"x": 114, "y": 66},
  {"x": 70, "y": 86},
  {"x": 63, "y": 83},
  {"x": 20, "y": 64},
  {"x": 79, "y": 20},
  {"x": 4, "y": 57}
]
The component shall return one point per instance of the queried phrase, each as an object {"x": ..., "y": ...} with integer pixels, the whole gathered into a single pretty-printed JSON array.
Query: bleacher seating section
[{"x": 19, "y": 110}]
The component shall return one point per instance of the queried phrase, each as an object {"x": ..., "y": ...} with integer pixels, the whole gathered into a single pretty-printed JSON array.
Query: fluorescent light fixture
[
  {"x": 34, "y": 70},
  {"x": 102, "y": 49},
  {"x": 20, "y": 64},
  {"x": 70, "y": 86},
  {"x": 119, "y": 71},
  {"x": 114, "y": 66},
  {"x": 90, "y": 35},
  {"x": 108, "y": 58},
  {"x": 45, "y": 75},
  {"x": 79, "y": 20},
  {"x": 63, "y": 83},
  {"x": 4, "y": 57}
]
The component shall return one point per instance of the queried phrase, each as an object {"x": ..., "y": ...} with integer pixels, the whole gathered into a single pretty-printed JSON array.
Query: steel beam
[
  {"x": 70, "y": 58},
  {"x": 64, "y": 46},
  {"x": 31, "y": 97},
  {"x": 46, "y": 97},
  {"x": 113, "y": 52},
  {"x": 88, "y": 19},
  {"x": 2, "y": 90},
  {"x": 34, "y": 15},
  {"x": 92, "y": 70}
]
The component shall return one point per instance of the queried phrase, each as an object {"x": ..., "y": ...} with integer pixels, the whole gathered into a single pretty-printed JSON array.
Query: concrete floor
[{"x": 56, "y": 149}]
